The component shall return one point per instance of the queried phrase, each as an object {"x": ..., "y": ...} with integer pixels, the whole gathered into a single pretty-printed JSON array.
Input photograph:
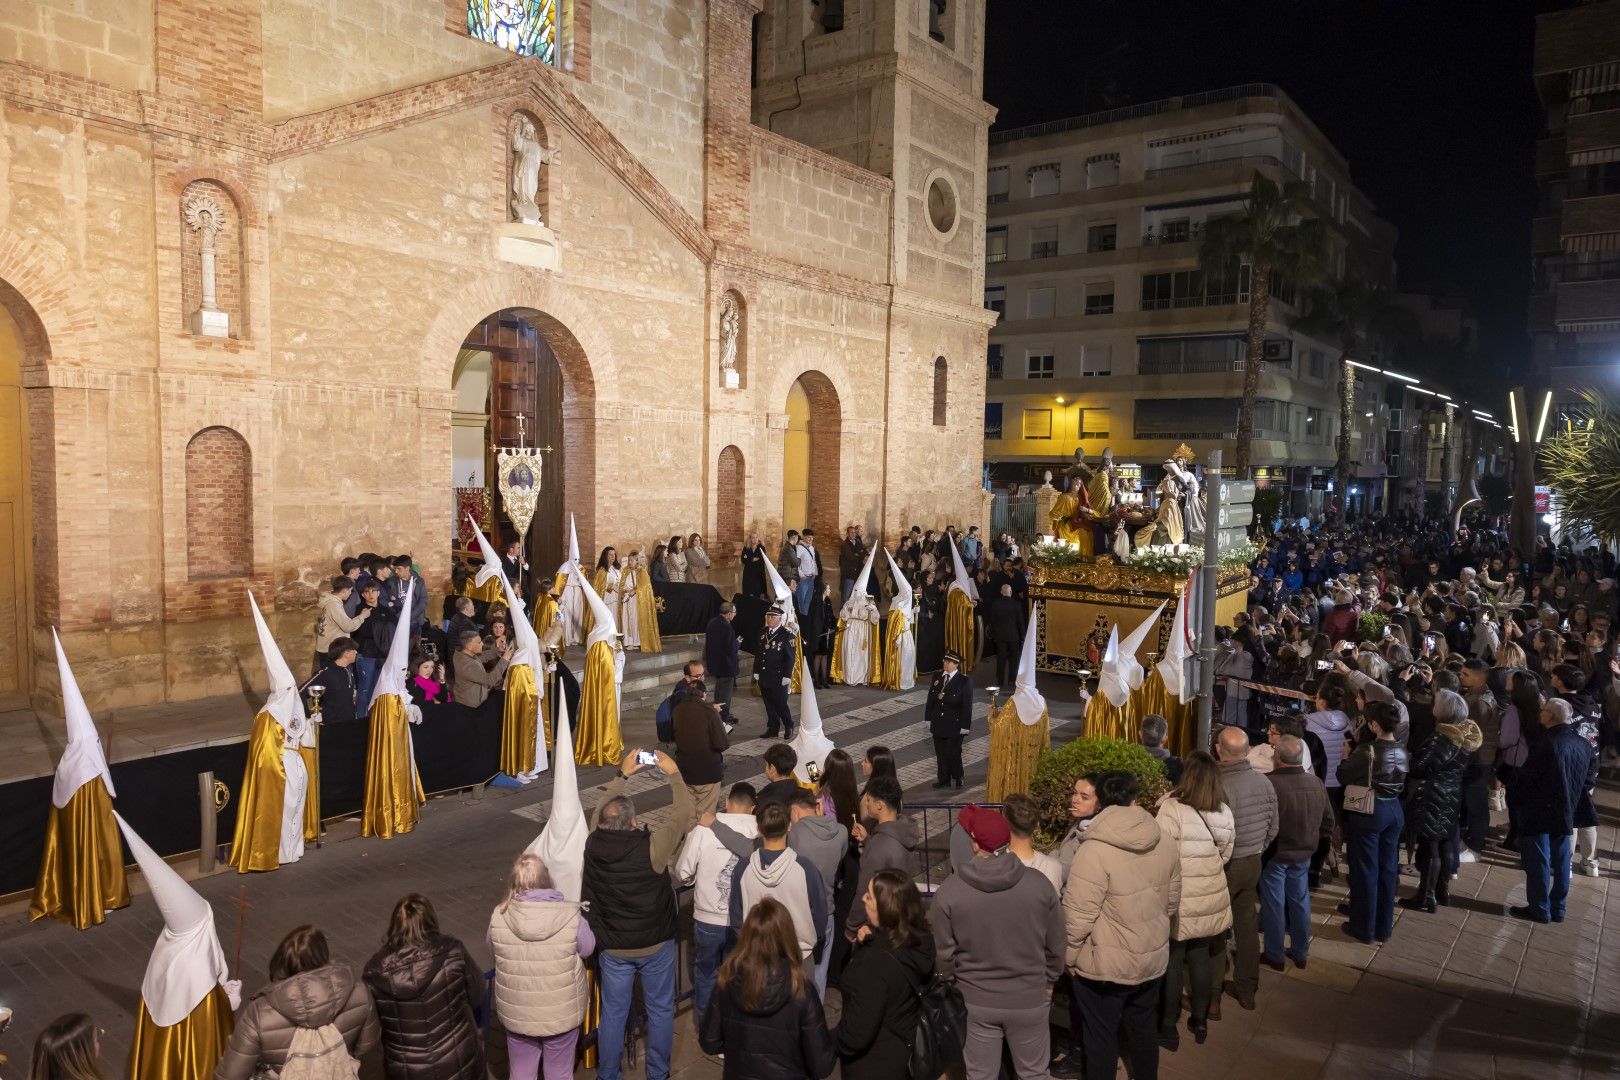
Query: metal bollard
[{"x": 208, "y": 848}]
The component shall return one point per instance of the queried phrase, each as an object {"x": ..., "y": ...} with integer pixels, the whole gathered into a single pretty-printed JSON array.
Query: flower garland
[{"x": 1179, "y": 560}]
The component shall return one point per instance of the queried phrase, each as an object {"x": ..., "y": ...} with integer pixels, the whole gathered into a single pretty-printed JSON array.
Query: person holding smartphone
[{"x": 700, "y": 746}]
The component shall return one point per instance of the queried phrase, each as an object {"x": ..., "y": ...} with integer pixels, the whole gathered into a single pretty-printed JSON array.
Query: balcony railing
[
  {"x": 1131, "y": 112},
  {"x": 1204, "y": 300},
  {"x": 995, "y": 257},
  {"x": 998, "y": 197},
  {"x": 1251, "y": 159},
  {"x": 1046, "y": 249},
  {"x": 1163, "y": 238}
]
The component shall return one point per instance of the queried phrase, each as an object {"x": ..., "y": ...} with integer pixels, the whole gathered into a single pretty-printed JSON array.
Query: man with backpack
[{"x": 998, "y": 928}]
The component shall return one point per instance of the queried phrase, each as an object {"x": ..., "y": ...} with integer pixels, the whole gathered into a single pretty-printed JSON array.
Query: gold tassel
[
  {"x": 81, "y": 872},
  {"x": 256, "y": 844}
]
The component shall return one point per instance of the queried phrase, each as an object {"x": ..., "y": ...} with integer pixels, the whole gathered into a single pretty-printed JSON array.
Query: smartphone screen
[
  {"x": 646, "y": 757},
  {"x": 1324, "y": 665},
  {"x": 812, "y": 771}
]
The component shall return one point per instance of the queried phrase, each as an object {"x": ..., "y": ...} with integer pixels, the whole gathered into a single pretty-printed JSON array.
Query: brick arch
[
  {"x": 941, "y": 375},
  {"x": 582, "y": 355},
  {"x": 37, "y": 288},
  {"x": 731, "y": 503},
  {"x": 219, "y": 505},
  {"x": 826, "y": 457}
]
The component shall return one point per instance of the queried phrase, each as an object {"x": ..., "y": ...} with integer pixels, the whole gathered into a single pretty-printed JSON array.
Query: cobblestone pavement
[{"x": 1465, "y": 993}]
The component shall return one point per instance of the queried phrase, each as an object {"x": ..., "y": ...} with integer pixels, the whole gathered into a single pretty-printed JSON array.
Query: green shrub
[
  {"x": 1371, "y": 626},
  {"x": 1058, "y": 769}
]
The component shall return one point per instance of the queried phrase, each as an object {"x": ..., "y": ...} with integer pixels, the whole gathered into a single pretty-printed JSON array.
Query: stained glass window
[{"x": 526, "y": 27}]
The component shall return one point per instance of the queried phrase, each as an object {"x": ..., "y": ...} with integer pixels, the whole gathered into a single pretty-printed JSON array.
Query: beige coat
[
  {"x": 1205, "y": 841},
  {"x": 539, "y": 974},
  {"x": 267, "y": 1021},
  {"x": 1123, "y": 889}
]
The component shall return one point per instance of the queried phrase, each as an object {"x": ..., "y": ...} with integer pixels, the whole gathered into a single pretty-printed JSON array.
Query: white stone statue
[
  {"x": 730, "y": 329},
  {"x": 527, "y": 157},
  {"x": 203, "y": 214}
]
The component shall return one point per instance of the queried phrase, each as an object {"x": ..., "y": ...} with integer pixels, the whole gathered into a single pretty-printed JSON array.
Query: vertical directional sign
[{"x": 1236, "y": 513}]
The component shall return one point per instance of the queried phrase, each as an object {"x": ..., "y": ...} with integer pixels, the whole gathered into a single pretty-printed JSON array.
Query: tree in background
[
  {"x": 1353, "y": 312},
  {"x": 1270, "y": 234},
  {"x": 1582, "y": 467}
]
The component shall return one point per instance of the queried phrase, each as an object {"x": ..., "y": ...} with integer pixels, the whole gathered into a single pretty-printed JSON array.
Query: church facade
[{"x": 277, "y": 276}]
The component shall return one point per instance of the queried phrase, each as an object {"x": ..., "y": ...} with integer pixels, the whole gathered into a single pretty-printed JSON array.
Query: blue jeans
[
  {"x": 1373, "y": 842},
  {"x": 803, "y": 589},
  {"x": 826, "y": 957},
  {"x": 1546, "y": 874},
  {"x": 1284, "y": 897},
  {"x": 708, "y": 949},
  {"x": 366, "y": 670},
  {"x": 618, "y": 975}
]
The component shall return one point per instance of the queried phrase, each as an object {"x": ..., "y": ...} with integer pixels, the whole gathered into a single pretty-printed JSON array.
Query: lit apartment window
[
  {"x": 1102, "y": 170},
  {"x": 992, "y": 420},
  {"x": 1094, "y": 424},
  {"x": 995, "y": 298},
  {"x": 1102, "y": 237},
  {"x": 1037, "y": 423},
  {"x": 1044, "y": 180},
  {"x": 995, "y": 244},
  {"x": 1042, "y": 303},
  {"x": 1039, "y": 366},
  {"x": 992, "y": 362},
  {"x": 1314, "y": 431},
  {"x": 1097, "y": 360},
  {"x": 1043, "y": 242},
  {"x": 1100, "y": 298},
  {"x": 996, "y": 184}
]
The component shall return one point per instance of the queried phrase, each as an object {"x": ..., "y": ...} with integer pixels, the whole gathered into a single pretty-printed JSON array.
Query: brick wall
[
  {"x": 219, "y": 505},
  {"x": 813, "y": 209},
  {"x": 731, "y": 501},
  {"x": 209, "y": 53}
]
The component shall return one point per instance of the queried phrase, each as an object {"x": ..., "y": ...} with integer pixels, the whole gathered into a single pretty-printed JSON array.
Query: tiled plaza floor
[{"x": 1464, "y": 993}]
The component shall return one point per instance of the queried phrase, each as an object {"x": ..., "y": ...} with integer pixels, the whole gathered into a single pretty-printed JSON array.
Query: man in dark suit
[
  {"x": 516, "y": 568},
  {"x": 950, "y": 715},
  {"x": 720, "y": 643},
  {"x": 1007, "y": 630},
  {"x": 773, "y": 668}
]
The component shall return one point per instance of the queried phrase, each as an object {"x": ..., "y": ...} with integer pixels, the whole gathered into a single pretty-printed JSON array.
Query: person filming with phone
[{"x": 632, "y": 908}]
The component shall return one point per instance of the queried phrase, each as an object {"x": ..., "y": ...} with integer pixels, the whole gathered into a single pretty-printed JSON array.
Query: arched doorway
[
  {"x": 810, "y": 458},
  {"x": 14, "y": 524},
  {"x": 509, "y": 390}
]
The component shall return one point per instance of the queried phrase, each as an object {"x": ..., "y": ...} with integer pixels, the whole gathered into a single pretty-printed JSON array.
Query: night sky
[{"x": 1431, "y": 102}]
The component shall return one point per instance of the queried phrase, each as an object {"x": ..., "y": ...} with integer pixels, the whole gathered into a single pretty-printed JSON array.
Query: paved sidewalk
[{"x": 1467, "y": 992}]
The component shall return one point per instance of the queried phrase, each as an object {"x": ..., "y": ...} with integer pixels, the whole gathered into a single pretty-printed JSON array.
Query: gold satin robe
[
  {"x": 393, "y": 790},
  {"x": 81, "y": 873},
  {"x": 188, "y": 1050},
  {"x": 646, "y": 610},
  {"x": 1015, "y": 749},
  {"x": 894, "y": 628},
  {"x": 597, "y": 739},
  {"x": 959, "y": 626},
  {"x": 518, "y": 721},
  {"x": 260, "y": 803}
]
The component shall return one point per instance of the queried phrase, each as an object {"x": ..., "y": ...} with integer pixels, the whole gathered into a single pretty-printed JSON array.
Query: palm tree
[
  {"x": 1268, "y": 235},
  {"x": 1583, "y": 469},
  {"x": 1353, "y": 312}
]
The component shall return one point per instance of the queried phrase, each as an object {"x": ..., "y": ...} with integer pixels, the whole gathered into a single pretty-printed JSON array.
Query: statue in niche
[
  {"x": 730, "y": 330},
  {"x": 527, "y": 157}
]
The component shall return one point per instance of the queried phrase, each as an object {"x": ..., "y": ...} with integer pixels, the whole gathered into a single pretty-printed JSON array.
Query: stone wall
[
  {"x": 812, "y": 208},
  {"x": 106, "y": 40}
]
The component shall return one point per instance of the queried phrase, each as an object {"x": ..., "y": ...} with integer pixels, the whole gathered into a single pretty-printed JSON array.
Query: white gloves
[{"x": 233, "y": 991}]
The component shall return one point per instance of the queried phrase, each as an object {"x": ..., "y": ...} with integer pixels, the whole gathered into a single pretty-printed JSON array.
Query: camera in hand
[{"x": 646, "y": 757}]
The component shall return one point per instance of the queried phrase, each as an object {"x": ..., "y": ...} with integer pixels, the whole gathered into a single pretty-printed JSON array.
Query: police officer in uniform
[
  {"x": 773, "y": 667},
  {"x": 950, "y": 715}
]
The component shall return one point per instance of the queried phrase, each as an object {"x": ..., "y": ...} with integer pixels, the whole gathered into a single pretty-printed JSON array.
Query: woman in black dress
[
  {"x": 931, "y": 626},
  {"x": 753, "y": 567},
  {"x": 820, "y": 633}
]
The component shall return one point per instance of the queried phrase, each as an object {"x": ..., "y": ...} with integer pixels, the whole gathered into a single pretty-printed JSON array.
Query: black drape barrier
[
  {"x": 687, "y": 607},
  {"x": 750, "y": 620},
  {"x": 455, "y": 747}
]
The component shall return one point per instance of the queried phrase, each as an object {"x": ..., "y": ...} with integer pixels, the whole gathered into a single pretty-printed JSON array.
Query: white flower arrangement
[{"x": 1180, "y": 560}]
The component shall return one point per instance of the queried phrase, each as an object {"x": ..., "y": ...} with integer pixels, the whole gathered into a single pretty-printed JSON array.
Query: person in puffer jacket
[
  {"x": 540, "y": 941},
  {"x": 307, "y": 990},
  {"x": 1197, "y": 819},
  {"x": 1122, "y": 892},
  {"x": 426, "y": 987},
  {"x": 1434, "y": 798}
]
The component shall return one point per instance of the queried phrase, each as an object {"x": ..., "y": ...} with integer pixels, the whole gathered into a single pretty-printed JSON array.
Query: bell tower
[{"x": 893, "y": 86}]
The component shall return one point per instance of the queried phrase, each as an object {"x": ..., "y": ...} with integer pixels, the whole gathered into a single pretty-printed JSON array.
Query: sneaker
[
  {"x": 1590, "y": 868},
  {"x": 1467, "y": 856},
  {"x": 730, "y": 726}
]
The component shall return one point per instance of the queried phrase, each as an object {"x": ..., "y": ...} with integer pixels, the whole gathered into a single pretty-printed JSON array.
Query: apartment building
[
  {"x": 1574, "y": 311},
  {"x": 1109, "y": 334}
]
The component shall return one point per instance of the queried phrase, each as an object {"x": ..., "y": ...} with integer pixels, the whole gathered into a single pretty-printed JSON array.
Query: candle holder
[{"x": 314, "y": 698}]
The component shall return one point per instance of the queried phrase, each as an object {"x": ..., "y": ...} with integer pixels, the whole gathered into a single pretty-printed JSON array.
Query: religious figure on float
[
  {"x": 1088, "y": 501},
  {"x": 1167, "y": 526}
]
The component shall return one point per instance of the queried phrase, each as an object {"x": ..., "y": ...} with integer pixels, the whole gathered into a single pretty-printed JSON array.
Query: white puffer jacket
[
  {"x": 1205, "y": 842},
  {"x": 539, "y": 975}
]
